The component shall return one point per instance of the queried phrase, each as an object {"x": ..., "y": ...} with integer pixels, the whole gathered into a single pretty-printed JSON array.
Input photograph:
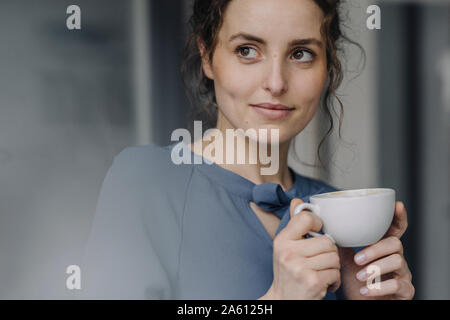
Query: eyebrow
[{"x": 294, "y": 42}]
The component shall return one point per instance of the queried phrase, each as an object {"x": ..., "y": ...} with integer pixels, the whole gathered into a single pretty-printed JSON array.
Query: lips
[
  {"x": 272, "y": 111},
  {"x": 272, "y": 106}
]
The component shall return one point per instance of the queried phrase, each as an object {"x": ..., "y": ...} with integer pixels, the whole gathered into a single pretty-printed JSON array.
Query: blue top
[{"x": 167, "y": 231}]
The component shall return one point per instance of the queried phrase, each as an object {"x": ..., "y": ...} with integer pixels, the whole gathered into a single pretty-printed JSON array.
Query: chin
[{"x": 275, "y": 134}]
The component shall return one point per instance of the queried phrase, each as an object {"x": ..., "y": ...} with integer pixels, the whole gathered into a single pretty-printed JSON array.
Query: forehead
[{"x": 278, "y": 20}]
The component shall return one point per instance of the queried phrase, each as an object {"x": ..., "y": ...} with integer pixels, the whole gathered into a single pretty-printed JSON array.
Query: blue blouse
[{"x": 167, "y": 231}]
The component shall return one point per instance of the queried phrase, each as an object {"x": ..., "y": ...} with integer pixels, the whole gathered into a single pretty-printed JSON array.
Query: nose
[{"x": 275, "y": 81}]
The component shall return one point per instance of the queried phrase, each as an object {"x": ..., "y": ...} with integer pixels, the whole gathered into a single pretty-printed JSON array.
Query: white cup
[{"x": 353, "y": 218}]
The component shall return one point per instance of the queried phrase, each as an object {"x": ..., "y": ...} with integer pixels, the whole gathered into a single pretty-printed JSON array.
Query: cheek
[
  {"x": 308, "y": 86},
  {"x": 234, "y": 81}
]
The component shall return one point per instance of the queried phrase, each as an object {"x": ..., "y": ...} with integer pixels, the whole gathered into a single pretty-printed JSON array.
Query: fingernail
[
  {"x": 360, "y": 257},
  {"x": 361, "y": 275},
  {"x": 364, "y": 291}
]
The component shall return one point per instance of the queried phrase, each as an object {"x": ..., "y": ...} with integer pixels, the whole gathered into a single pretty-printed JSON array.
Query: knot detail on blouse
[{"x": 271, "y": 197}]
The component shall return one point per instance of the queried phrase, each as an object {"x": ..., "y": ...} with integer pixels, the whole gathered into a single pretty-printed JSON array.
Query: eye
[
  {"x": 303, "y": 55},
  {"x": 245, "y": 52}
]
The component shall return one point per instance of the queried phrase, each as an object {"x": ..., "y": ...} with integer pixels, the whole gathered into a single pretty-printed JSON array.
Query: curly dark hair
[{"x": 205, "y": 23}]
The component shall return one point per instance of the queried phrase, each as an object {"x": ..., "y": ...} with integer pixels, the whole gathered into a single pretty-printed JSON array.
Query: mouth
[{"x": 272, "y": 111}]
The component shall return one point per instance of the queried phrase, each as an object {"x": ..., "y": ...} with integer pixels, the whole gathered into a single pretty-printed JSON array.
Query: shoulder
[
  {"x": 150, "y": 158},
  {"x": 144, "y": 156},
  {"x": 149, "y": 168}
]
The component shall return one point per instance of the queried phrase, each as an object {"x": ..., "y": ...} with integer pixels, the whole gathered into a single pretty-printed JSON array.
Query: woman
[{"x": 225, "y": 230}]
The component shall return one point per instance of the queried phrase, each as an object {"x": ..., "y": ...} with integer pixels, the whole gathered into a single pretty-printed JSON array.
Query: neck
[{"x": 259, "y": 168}]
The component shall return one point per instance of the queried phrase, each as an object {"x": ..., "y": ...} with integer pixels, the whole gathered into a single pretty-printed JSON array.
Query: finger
[
  {"x": 315, "y": 246},
  {"x": 323, "y": 261},
  {"x": 293, "y": 204},
  {"x": 399, "y": 223},
  {"x": 380, "y": 249},
  {"x": 398, "y": 287},
  {"x": 332, "y": 277},
  {"x": 300, "y": 224},
  {"x": 394, "y": 263}
]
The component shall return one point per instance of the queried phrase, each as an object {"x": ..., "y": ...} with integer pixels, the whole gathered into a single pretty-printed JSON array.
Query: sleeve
[{"x": 119, "y": 260}]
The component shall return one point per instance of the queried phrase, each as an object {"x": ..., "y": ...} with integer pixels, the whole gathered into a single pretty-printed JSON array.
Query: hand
[
  {"x": 387, "y": 255},
  {"x": 303, "y": 268}
]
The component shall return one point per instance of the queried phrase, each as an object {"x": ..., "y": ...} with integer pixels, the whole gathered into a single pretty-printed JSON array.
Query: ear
[{"x": 207, "y": 69}]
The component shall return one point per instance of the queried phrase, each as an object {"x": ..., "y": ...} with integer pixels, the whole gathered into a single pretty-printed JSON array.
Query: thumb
[
  {"x": 294, "y": 203},
  {"x": 301, "y": 224}
]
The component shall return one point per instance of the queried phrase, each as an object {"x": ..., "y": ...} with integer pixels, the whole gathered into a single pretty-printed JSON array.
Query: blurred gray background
[{"x": 71, "y": 100}]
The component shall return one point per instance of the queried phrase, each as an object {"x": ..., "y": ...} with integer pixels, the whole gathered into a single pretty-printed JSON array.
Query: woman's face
[{"x": 256, "y": 61}]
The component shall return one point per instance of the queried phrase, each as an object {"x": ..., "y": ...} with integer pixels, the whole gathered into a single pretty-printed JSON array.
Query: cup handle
[{"x": 315, "y": 209}]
